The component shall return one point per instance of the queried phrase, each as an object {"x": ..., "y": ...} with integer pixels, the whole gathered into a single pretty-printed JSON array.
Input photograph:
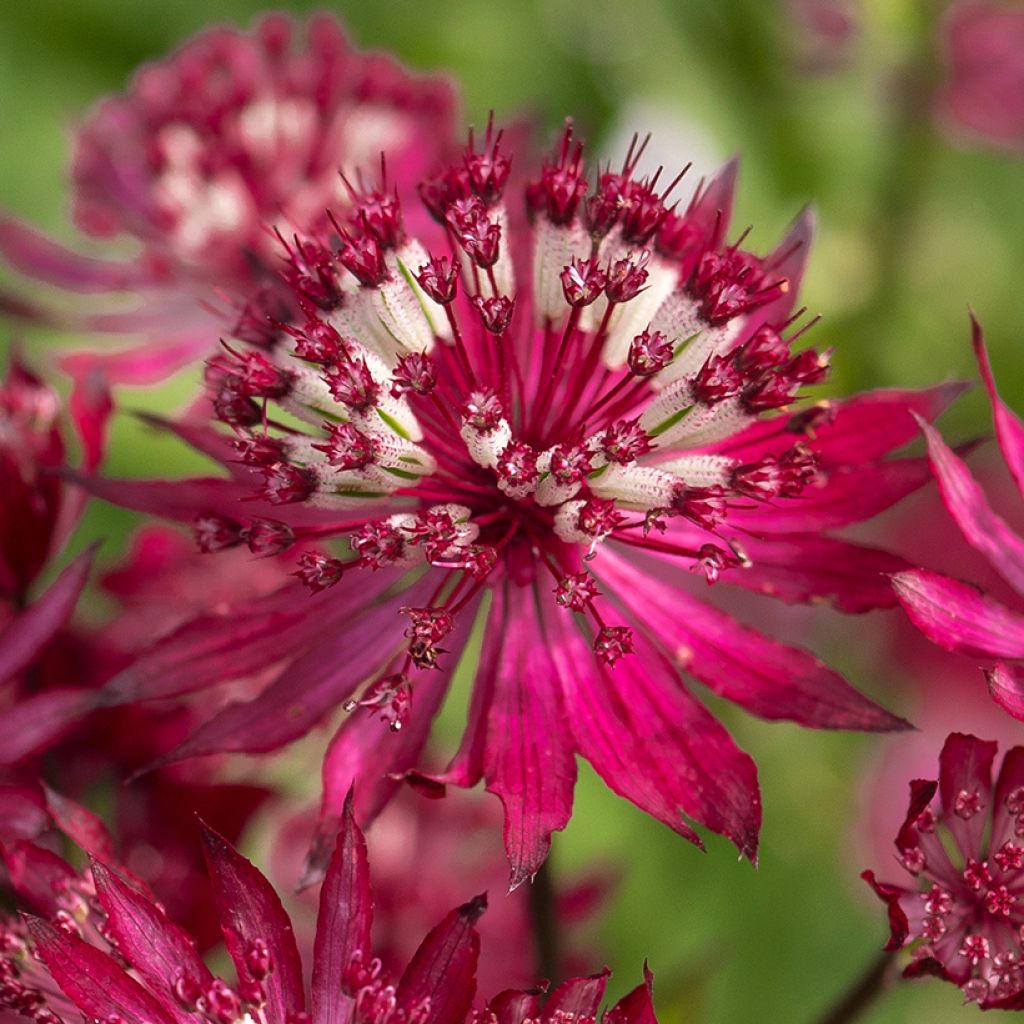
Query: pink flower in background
[
  {"x": 232, "y": 134},
  {"x": 983, "y": 94},
  {"x": 552, "y": 461},
  {"x": 957, "y": 615},
  {"x": 426, "y": 854},
  {"x": 105, "y": 950},
  {"x": 965, "y": 857}
]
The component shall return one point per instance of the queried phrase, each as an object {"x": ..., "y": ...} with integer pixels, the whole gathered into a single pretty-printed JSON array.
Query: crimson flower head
[
  {"x": 954, "y": 614},
  {"x": 104, "y": 950},
  {"x": 964, "y": 852},
  {"x": 234, "y": 134},
  {"x": 554, "y": 481}
]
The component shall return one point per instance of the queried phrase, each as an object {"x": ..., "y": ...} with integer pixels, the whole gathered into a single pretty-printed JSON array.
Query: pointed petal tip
[{"x": 474, "y": 909}]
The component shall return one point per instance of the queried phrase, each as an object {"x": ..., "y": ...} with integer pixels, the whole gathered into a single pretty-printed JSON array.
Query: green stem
[{"x": 862, "y": 994}]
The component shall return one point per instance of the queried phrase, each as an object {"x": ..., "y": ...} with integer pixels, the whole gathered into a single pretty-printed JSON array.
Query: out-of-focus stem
[
  {"x": 862, "y": 994},
  {"x": 545, "y": 923}
]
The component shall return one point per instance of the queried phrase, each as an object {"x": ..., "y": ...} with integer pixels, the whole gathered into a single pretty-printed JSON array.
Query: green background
[{"x": 912, "y": 229}]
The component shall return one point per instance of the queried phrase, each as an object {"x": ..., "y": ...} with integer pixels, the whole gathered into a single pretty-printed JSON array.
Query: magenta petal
[
  {"x": 80, "y": 825},
  {"x": 343, "y": 924},
  {"x": 1011, "y": 778},
  {"x": 959, "y": 617},
  {"x": 37, "y": 722},
  {"x": 577, "y": 998},
  {"x": 855, "y": 430},
  {"x": 812, "y": 568},
  {"x": 141, "y": 365},
  {"x": 965, "y": 788},
  {"x": 37, "y": 875},
  {"x": 251, "y": 911},
  {"x": 358, "y": 646},
  {"x": 528, "y": 759},
  {"x": 514, "y": 1007},
  {"x": 788, "y": 261},
  {"x": 711, "y": 210},
  {"x": 1009, "y": 429},
  {"x": 95, "y": 982},
  {"x": 23, "y": 814},
  {"x": 441, "y": 977},
  {"x": 154, "y": 945},
  {"x": 899, "y": 926},
  {"x": 24, "y": 639},
  {"x": 763, "y": 676},
  {"x": 1006, "y": 685},
  {"x": 39, "y": 257},
  {"x": 985, "y": 531},
  {"x": 637, "y": 1007},
  {"x": 842, "y": 496}
]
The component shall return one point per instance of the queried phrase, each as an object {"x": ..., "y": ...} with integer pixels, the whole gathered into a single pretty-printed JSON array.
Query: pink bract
[
  {"x": 234, "y": 134},
  {"x": 957, "y": 615},
  {"x": 105, "y": 950},
  {"x": 966, "y": 856},
  {"x": 550, "y": 461}
]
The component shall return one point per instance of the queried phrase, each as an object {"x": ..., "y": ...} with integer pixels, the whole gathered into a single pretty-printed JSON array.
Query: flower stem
[
  {"x": 545, "y": 923},
  {"x": 860, "y": 996}
]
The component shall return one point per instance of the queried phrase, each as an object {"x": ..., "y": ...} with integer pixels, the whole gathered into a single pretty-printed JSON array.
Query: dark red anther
[
  {"x": 414, "y": 372},
  {"x": 474, "y": 231},
  {"x": 378, "y": 544},
  {"x": 439, "y": 278},
  {"x": 625, "y": 441},
  {"x": 257, "y": 959},
  {"x": 712, "y": 559},
  {"x": 439, "y": 192},
  {"x": 517, "y": 465},
  {"x": 582, "y": 282},
  {"x": 703, "y": 506},
  {"x": 776, "y": 476},
  {"x": 556, "y": 195},
  {"x": 430, "y": 624},
  {"x": 318, "y": 342},
  {"x": 259, "y": 319},
  {"x": 285, "y": 484},
  {"x": 268, "y": 537},
  {"x": 488, "y": 170},
  {"x": 570, "y": 463},
  {"x": 480, "y": 560},
  {"x": 379, "y": 215},
  {"x": 351, "y": 383},
  {"x": 249, "y": 374},
  {"x": 312, "y": 274},
  {"x": 348, "y": 448},
  {"x": 482, "y": 410},
  {"x": 495, "y": 313},
  {"x": 391, "y": 695},
  {"x": 259, "y": 449},
  {"x": 318, "y": 572},
  {"x": 363, "y": 257},
  {"x": 717, "y": 380},
  {"x": 253, "y": 993},
  {"x": 613, "y": 643},
  {"x": 215, "y": 532},
  {"x": 602, "y": 209},
  {"x": 649, "y": 353},
  {"x": 221, "y": 1004},
  {"x": 599, "y": 517},
  {"x": 576, "y": 590},
  {"x": 765, "y": 350},
  {"x": 627, "y": 277}
]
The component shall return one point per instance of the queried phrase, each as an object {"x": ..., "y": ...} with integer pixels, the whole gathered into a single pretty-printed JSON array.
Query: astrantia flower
[
  {"x": 983, "y": 50},
  {"x": 965, "y": 855},
  {"x": 231, "y": 135},
  {"x": 957, "y": 615},
  {"x": 543, "y": 427},
  {"x": 109, "y": 953}
]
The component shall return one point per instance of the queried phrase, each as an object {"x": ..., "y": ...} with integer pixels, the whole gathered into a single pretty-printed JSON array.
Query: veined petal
[
  {"x": 37, "y": 875},
  {"x": 441, "y": 977},
  {"x": 39, "y": 720},
  {"x": 1009, "y": 429},
  {"x": 965, "y": 789},
  {"x": 26, "y": 636},
  {"x": 95, "y": 982},
  {"x": 154, "y": 945},
  {"x": 251, "y": 911},
  {"x": 1006, "y": 685},
  {"x": 528, "y": 757},
  {"x": 637, "y": 1007},
  {"x": 80, "y": 825},
  {"x": 343, "y": 923},
  {"x": 959, "y": 617},
  {"x": 577, "y": 998},
  {"x": 763, "y": 676},
  {"x": 983, "y": 529}
]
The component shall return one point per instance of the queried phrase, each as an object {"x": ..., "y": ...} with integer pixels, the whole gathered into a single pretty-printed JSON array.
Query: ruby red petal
[
  {"x": 1006, "y": 685},
  {"x": 965, "y": 766},
  {"x": 959, "y": 617}
]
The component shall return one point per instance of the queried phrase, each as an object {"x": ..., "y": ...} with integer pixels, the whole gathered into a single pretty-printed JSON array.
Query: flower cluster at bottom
[{"x": 108, "y": 952}]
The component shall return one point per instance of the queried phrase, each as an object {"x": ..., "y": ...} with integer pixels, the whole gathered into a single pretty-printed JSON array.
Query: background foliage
[{"x": 913, "y": 227}]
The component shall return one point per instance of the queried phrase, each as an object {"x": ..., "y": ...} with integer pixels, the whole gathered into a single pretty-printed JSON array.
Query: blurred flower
[
  {"x": 983, "y": 95},
  {"x": 234, "y": 134},
  {"x": 823, "y": 32},
  {"x": 967, "y": 859},
  {"x": 109, "y": 952},
  {"x": 426, "y": 854},
  {"x": 956, "y": 615},
  {"x": 601, "y": 426}
]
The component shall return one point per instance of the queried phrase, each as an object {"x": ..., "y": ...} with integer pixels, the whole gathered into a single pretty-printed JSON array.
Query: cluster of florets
[{"x": 490, "y": 417}]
